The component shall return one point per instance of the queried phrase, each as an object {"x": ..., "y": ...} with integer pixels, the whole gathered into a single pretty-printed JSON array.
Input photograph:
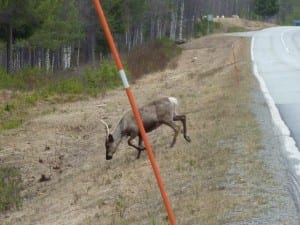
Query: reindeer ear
[{"x": 110, "y": 138}]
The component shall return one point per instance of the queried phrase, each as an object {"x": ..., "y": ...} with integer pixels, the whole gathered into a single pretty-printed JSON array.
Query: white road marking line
[
  {"x": 288, "y": 141},
  {"x": 283, "y": 42}
]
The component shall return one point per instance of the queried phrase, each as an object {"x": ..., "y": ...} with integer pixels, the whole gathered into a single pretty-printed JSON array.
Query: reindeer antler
[{"x": 106, "y": 126}]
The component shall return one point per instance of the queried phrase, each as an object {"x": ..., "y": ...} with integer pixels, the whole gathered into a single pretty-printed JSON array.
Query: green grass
[
  {"x": 92, "y": 80},
  {"x": 31, "y": 86},
  {"x": 10, "y": 187},
  {"x": 11, "y": 124}
]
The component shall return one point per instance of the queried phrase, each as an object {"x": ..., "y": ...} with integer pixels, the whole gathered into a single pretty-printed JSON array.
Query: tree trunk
[
  {"x": 181, "y": 19},
  {"x": 141, "y": 34},
  {"x": 78, "y": 54},
  {"x": 173, "y": 25},
  {"x": 152, "y": 29},
  {"x": 29, "y": 57},
  {"x": 47, "y": 60},
  {"x": 52, "y": 62},
  {"x": 66, "y": 57},
  {"x": 9, "y": 61}
]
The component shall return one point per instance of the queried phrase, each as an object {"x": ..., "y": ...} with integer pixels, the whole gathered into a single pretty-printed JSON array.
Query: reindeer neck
[{"x": 117, "y": 133}]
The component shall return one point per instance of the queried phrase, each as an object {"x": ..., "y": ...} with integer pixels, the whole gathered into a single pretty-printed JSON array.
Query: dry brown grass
[
  {"x": 198, "y": 176},
  {"x": 242, "y": 24},
  {"x": 151, "y": 57}
]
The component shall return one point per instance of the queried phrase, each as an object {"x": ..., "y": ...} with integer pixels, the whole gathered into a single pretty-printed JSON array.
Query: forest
[{"x": 56, "y": 35}]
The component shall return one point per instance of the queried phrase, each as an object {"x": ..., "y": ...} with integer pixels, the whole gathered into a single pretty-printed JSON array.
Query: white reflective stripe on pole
[{"x": 124, "y": 78}]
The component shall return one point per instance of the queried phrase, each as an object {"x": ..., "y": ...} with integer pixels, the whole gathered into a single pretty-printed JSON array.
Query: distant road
[
  {"x": 276, "y": 63},
  {"x": 276, "y": 52}
]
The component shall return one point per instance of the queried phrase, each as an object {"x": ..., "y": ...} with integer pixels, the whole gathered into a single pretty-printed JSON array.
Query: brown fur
[{"x": 154, "y": 114}]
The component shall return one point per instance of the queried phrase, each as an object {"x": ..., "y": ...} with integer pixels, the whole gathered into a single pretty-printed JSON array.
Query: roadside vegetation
[
  {"x": 215, "y": 178},
  {"x": 26, "y": 90},
  {"x": 30, "y": 87},
  {"x": 220, "y": 134},
  {"x": 10, "y": 187},
  {"x": 152, "y": 57},
  {"x": 204, "y": 27}
]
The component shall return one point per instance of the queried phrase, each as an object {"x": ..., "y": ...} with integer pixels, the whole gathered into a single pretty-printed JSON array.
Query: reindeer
[{"x": 154, "y": 114}]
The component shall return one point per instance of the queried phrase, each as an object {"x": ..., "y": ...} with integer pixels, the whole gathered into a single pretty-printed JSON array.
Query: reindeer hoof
[
  {"x": 187, "y": 138},
  {"x": 139, "y": 152}
]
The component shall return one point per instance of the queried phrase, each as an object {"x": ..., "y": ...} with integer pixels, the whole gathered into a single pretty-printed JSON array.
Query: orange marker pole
[{"x": 136, "y": 113}]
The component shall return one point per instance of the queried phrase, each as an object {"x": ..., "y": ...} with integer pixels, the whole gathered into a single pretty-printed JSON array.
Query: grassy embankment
[
  {"x": 200, "y": 177},
  {"x": 32, "y": 92},
  {"x": 214, "y": 179}
]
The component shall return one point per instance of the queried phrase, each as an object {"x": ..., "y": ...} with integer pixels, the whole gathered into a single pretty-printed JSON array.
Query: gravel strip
[{"x": 280, "y": 206}]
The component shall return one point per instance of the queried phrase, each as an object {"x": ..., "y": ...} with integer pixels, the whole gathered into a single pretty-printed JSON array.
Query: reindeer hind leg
[
  {"x": 182, "y": 118},
  {"x": 176, "y": 132}
]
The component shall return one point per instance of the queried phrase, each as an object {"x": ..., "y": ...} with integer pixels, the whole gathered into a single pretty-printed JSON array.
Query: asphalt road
[
  {"x": 276, "y": 64},
  {"x": 277, "y": 56}
]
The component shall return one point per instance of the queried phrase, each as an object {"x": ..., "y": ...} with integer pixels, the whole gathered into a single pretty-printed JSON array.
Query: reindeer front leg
[{"x": 138, "y": 148}]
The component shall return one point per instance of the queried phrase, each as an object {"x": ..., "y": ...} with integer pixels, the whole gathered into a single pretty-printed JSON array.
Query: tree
[
  {"x": 266, "y": 8},
  {"x": 289, "y": 10},
  {"x": 59, "y": 24},
  {"x": 60, "y": 27},
  {"x": 38, "y": 29},
  {"x": 134, "y": 21},
  {"x": 41, "y": 32},
  {"x": 15, "y": 21},
  {"x": 93, "y": 41},
  {"x": 294, "y": 15}
]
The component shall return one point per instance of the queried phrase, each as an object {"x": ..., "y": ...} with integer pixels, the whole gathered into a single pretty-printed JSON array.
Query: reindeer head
[{"x": 110, "y": 144}]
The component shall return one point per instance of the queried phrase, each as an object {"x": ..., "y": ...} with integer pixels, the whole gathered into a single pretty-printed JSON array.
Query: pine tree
[
  {"x": 16, "y": 21},
  {"x": 59, "y": 24},
  {"x": 266, "y": 8}
]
